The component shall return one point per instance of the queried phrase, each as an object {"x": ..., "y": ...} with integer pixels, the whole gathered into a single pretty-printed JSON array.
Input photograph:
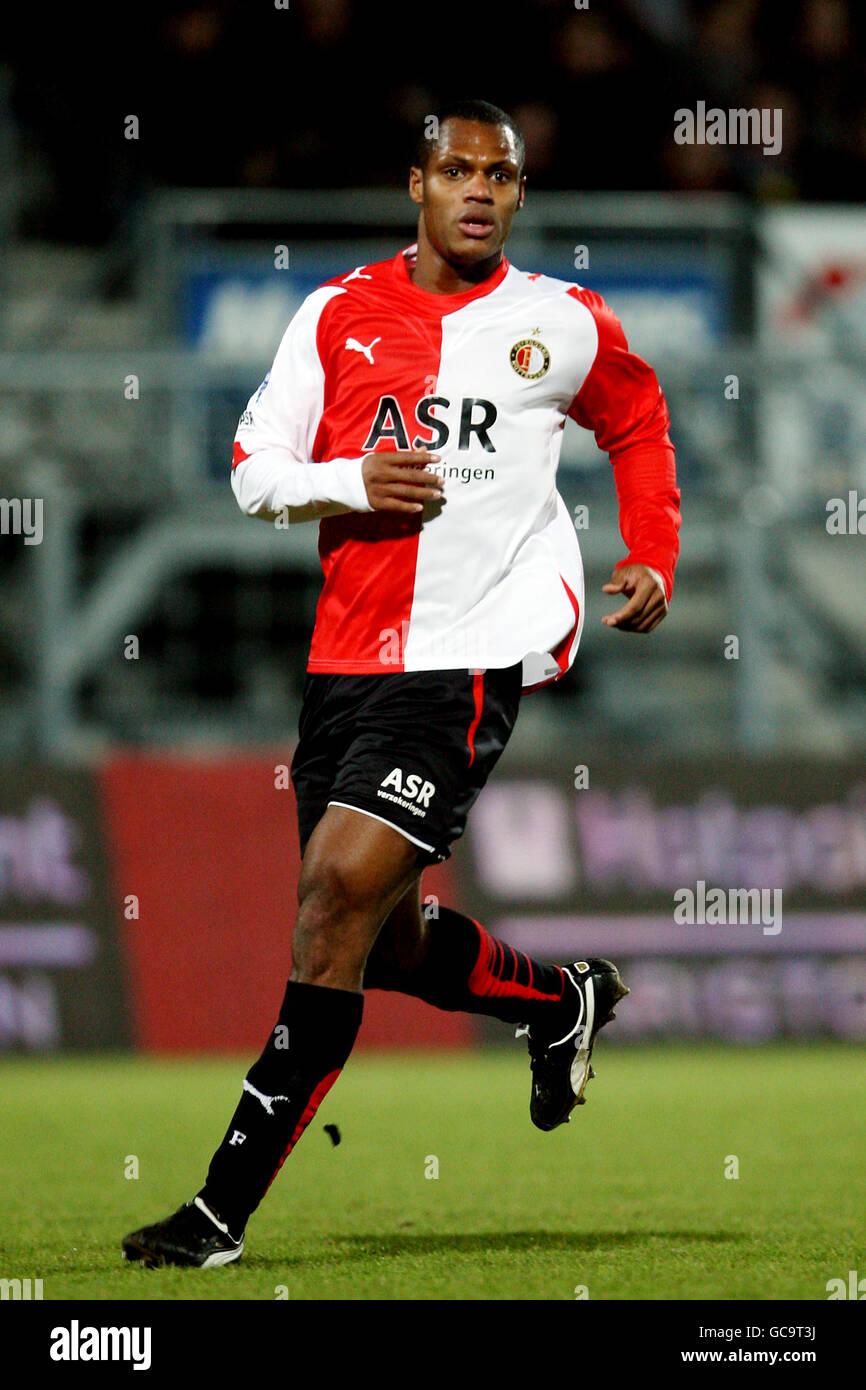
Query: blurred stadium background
[{"x": 147, "y": 850}]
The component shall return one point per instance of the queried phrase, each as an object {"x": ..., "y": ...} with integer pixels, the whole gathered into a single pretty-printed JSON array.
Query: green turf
[{"x": 629, "y": 1200}]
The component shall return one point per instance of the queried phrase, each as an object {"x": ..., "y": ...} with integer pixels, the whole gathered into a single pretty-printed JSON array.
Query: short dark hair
[{"x": 480, "y": 111}]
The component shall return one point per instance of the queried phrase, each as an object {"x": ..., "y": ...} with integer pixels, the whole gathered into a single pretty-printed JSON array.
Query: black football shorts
[{"x": 412, "y": 749}]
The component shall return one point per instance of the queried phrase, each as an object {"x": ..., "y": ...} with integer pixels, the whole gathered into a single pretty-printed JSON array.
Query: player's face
[{"x": 469, "y": 191}]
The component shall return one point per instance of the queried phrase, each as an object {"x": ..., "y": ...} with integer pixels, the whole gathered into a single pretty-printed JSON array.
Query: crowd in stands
[{"x": 331, "y": 93}]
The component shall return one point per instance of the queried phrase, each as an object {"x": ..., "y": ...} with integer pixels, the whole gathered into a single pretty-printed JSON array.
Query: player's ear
[
  {"x": 416, "y": 184},
  {"x": 521, "y": 196}
]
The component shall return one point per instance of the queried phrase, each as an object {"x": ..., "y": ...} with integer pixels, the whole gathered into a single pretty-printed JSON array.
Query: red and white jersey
[{"x": 492, "y": 575}]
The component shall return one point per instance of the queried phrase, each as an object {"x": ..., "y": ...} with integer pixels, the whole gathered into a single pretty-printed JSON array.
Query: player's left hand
[{"x": 646, "y": 604}]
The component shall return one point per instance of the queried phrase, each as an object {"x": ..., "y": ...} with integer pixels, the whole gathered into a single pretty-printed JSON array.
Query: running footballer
[{"x": 415, "y": 410}]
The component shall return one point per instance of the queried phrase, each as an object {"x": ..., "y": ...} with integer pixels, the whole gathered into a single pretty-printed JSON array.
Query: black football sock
[
  {"x": 468, "y": 970},
  {"x": 304, "y": 1056}
]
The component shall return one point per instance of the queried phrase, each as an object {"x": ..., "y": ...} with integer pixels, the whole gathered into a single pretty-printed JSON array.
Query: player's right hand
[{"x": 398, "y": 482}]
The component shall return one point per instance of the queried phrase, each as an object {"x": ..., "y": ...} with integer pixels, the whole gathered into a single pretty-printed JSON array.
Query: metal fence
[{"x": 127, "y": 451}]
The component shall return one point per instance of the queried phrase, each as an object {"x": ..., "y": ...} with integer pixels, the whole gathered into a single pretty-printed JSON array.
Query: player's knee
[
  {"x": 332, "y": 932},
  {"x": 329, "y": 894}
]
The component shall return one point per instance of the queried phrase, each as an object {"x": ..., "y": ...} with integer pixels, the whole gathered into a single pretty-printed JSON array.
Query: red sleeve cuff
[{"x": 649, "y": 509}]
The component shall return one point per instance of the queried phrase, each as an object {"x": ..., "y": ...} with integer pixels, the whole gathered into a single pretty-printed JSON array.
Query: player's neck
[{"x": 430, "y": 271}]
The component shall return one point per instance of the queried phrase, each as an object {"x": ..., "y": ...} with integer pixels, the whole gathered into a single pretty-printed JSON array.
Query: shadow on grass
[{"x": 399, "y": 1245}]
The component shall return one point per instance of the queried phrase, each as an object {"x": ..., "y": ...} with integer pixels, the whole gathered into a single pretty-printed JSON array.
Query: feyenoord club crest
[{"x": 530, "y": 358}]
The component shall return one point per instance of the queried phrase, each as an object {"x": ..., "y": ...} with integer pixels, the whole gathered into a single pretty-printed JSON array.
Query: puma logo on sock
[{"x": 267, "y": 1101}]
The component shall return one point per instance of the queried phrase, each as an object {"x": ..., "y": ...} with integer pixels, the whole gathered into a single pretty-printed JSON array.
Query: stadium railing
[{"x": 159, "y": 462}]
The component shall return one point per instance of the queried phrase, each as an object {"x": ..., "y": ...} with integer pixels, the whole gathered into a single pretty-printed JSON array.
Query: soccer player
[{"x": 414, "y": 410}]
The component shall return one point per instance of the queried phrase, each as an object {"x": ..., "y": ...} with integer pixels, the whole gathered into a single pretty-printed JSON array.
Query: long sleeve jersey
[{"x": 492, "y": 574}]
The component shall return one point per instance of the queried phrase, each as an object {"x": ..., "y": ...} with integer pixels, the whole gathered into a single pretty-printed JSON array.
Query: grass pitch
[{"x": 630, "y": 1200}]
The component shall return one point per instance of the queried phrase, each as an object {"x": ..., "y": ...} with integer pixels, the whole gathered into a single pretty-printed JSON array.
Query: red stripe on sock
[
  {"x": 489, "y": 985},
  {"x": 312, "y": 1106},
  {"x": 478, "y": 695}
]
